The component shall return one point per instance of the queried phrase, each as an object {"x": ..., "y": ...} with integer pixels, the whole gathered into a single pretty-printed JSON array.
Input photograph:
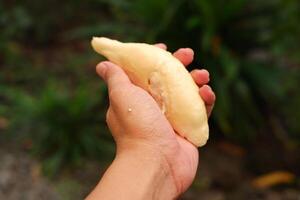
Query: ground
[{"x": 222, "y": 175}]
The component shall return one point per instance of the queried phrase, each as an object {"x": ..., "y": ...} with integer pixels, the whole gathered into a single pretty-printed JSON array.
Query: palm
[
  {"x": 181, "y": 156},
  {"x": 186, "y": 163}
]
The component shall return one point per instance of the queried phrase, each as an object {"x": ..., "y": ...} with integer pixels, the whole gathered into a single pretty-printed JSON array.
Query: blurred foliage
[
  {"x": 240, "y": 42},
  {"x": 49, "y": 90},
  {"x": 60, "y": 125}
]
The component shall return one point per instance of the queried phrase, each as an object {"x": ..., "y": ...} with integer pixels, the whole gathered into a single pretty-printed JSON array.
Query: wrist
[
  {"x": 136, "y": 173},
  {"x": 148, "y": 172}
]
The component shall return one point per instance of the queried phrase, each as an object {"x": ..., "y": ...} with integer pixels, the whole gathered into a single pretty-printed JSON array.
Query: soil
[{"x": 223, "y": 174}]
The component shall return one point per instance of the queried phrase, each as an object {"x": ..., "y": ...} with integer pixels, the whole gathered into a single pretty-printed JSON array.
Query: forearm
[{"x": 135, "y": 175}]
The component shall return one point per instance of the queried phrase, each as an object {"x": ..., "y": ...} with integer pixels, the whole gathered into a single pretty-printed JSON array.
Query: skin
[{"x": 152, "y": 161}]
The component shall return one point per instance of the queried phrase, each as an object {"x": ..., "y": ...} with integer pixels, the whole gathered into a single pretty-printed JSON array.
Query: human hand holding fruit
[{"x": 148, "y": 148}]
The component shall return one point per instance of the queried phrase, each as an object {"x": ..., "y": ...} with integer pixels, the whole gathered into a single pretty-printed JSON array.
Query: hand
[{"x": 140, "y": 129}]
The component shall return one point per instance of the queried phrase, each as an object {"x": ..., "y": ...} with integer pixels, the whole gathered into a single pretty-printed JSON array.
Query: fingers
[
  {"x": 200, "y": 76},
  {"x": 184, "y": 55},
  {"x": 112, "y": 74},
  {"x": 208, "y": 97}
]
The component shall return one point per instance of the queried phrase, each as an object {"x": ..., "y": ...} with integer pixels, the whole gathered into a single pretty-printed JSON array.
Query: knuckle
[
  {"x": 113, "y": 93},
  {"x": 115, "y": 96},
  {"x": 108, "y": 115}
]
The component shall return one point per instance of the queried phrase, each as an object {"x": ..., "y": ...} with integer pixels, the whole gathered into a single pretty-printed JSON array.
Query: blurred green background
[{"x": 52, "y": 103}]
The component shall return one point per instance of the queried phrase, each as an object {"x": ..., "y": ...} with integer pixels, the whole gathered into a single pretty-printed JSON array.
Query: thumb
[{"x": 112, "y": 74}]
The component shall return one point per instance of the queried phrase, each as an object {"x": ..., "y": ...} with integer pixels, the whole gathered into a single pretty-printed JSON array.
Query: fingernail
[
  {"x": 206, "y": 72},
  {"x": 208, "y": 87}
]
